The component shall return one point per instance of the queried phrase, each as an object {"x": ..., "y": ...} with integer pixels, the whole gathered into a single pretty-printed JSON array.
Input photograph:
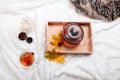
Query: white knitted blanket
[{"x": 102, "y": 64}]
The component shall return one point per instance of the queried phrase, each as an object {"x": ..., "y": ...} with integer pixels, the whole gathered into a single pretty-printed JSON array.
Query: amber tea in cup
[{"x": 27, "y": 58}]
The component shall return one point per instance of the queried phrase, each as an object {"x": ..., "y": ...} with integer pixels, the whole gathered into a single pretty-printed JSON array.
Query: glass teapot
[{"x": 72, "y": 34}]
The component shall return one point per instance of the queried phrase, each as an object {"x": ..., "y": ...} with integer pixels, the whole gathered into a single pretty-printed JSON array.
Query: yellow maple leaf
[
  {"x": 57, "y": 41},
  {"x": 54, "y": 56},
  {"x": 59, "y": 59}
]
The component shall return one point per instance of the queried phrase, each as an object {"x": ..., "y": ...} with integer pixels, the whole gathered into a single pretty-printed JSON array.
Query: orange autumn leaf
[
  {"x": 57, "y": 41},
  {"x": 59, "y": 59},
  {"x": 54, "y": 56}
]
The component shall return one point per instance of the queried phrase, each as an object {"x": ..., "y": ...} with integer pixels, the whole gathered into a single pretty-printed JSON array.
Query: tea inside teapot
[{"x": 73, "y": 33}]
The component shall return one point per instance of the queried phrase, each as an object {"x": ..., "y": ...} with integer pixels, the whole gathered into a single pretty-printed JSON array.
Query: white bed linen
[{"x": 102, "y": 64}]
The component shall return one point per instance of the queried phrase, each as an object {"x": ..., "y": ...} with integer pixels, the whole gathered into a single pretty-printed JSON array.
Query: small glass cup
[{"x": 28, "y": 59}]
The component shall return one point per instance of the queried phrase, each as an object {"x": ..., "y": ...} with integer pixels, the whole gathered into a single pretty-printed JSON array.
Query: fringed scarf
[{"x": 107, "y": 10}]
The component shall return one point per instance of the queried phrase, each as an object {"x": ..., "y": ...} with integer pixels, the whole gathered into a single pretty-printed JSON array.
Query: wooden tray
[{"x": 85, "y": 46}]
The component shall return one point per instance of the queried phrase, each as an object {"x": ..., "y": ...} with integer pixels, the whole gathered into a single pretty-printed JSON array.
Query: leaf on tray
[{"x": 57, "y": 41}]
